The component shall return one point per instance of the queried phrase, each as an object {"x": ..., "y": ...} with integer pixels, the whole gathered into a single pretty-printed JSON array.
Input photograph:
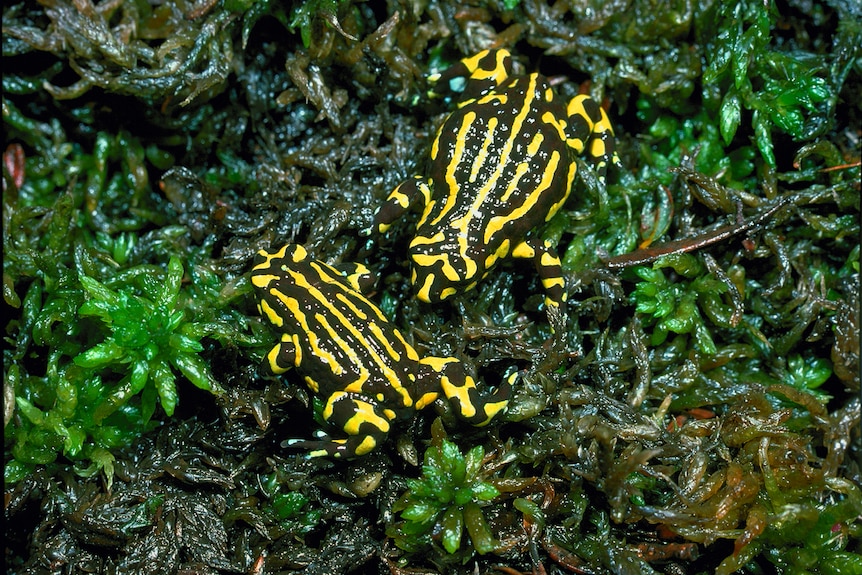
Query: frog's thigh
[
  {"x": 461, "y": 391},
  {"x": 357, "y": 275},
  {"x": 548, "y": 267},
  {"x": 364, "y": 421}
]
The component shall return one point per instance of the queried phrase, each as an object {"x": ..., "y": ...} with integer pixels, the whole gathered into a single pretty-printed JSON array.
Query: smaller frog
[
  {"x": 501, "y": 165},
  {"x": 352, "y": 357}
]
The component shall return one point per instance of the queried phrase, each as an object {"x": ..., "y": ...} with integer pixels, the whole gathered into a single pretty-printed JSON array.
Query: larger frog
[
  {"x": 352, "y": 357},
  {"x": 501, "y": 164}
]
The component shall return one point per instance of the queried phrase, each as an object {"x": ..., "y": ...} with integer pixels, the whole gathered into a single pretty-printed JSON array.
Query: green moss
[
  {"x": 107, "y": 351},
  {"x": 445, "y": 501}
]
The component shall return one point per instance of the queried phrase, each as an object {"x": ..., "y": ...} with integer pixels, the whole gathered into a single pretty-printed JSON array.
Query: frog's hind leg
[
  {"x": 590, "y": 133},
  {"x": 549, "y": 268},
  {"x": 461, "y": 391},
  {"x": 364, "y": 421}
]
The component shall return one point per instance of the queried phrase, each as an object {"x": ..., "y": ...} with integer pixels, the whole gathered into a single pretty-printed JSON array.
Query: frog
[
  {"x": 358, "y": 363},
  {"x": 501, "y": 165}
]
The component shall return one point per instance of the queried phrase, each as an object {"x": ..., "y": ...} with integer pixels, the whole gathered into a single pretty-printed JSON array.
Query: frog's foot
[
  {"x": 364, "y": 421},
  {"x": 326, "y": 446}
]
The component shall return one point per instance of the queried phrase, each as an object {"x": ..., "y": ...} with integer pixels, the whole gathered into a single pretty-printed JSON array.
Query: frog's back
[
  {"x": 336, "y": 337},
  {"x": 500, "y": 157}
]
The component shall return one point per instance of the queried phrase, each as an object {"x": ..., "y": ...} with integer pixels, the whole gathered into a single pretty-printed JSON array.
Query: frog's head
[
  {"x": 471, "y": 76},
  {"x": 441, "y": 267}
]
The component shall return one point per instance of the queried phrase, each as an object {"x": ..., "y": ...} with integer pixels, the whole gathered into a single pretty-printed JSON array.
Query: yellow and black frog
[
  {"x": 501, "y": 164},
  {"x": 365, "y": 372}
]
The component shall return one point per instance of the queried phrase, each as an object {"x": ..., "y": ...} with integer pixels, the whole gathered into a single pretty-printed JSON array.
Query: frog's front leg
[
  {"x": 549, "y": 268},
  {"x": 282, "y": 356},
  {"x": 363, "y": 420},
  {"x": 399, "y": 201},
  {"x": 461, "y": 391}
]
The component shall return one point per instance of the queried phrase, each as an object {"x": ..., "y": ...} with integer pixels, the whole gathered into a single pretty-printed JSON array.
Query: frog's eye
[{"x": 457, "y": 85}]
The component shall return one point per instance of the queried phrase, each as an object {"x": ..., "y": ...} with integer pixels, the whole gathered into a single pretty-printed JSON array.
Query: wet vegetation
[{"x": 698, "y": 413}]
